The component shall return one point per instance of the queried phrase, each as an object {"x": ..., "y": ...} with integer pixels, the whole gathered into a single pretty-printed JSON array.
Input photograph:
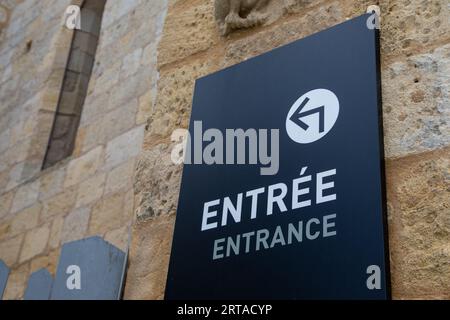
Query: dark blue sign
[{"x": 282, "y": 194}]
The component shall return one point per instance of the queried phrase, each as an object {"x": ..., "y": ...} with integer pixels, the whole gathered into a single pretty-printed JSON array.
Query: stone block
[
  {"x": 145, "y": 108},
  {"x": 122, "y": 94},
  {"x": 5, "y": 230},
  {"x": 416, "y": 99},
  {"x": 291, "y": 29},
  {"x": 83, "y": 167},
  {"x": 149, "y": 58},
  {"x": 157, "y": 182},
  {"x": 149, "y": 259},
  {"x": 119, "y": 238},
  {"x": 9, "y": 250},
  {"x": 25, "y": 196},
  {"x": 79, "y": 140},
  {"x": 130, "y": 64},
  {"x": 26, "y": 219},
  {"x": 174, "y": 98},
  {"x": 120, "y": 178},
  {"x": 90, "y": 190},
  {"x": 419, "y": 224},
  {"x": 17, "y": 282},
  {"x": 60, "y": 204},
  {"x": 55, "y": 232},
  {"x": 75, "y": 225},
  {"x": 189, "y": 28},
  {"x": 48, "y": 261},
  {"x": 107, "y": 79},
  {"x": 5, "y": 203},
  {"x": 128, "y": 206},
  {"x": 110, "y": 125},
  {"x": 35, "y": 243},
  {"x": 107, "y": 215},
  {"x": 51, "y": 183},
  {"x": 4, "y": 178},
  {"x": 95, "y": 106},
  {"x": 410, "y": 25},
  {"x": 124, "y": 147},
  {"x": 15, "y": 175},
  {"x": 4, "y": 140}
]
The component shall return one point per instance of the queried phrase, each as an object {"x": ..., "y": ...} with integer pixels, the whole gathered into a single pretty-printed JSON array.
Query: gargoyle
[{"x": 237, "y": 14}]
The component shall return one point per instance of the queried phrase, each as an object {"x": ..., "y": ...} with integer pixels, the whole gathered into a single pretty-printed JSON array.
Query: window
[{"x": 75, "y": 84}]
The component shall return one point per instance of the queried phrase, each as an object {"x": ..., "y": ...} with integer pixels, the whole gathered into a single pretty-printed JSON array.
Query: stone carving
[{"x": 237, "y": 14}]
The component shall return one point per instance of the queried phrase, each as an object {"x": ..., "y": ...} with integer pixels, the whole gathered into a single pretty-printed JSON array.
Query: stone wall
[
  {"x": 415, "y": 56},
  {"x": 6, "y": 6},
  {"x": 150, "y": 53},
  {"x": 90, "y": 192}
]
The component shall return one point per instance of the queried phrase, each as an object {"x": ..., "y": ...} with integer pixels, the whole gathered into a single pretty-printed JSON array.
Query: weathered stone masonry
[
  {"x": 150, "y": 52},
  {"x": 90, "y": 192}
]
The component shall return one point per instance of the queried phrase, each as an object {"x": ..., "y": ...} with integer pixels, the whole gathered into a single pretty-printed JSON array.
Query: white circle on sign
[{"x": 312, "y": 116}]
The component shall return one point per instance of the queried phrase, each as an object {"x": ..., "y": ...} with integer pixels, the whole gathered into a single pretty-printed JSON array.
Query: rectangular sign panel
[{"x": 282, "y": 194}]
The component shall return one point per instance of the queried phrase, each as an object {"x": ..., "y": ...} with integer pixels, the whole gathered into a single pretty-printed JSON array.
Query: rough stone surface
[
  {"x": 292, "y": 29},
  {"x": 26, "y": 219},
  {"x": 107, "y": 214},
  {"x": 17, "y": 282},
  {"x": 173, "y": 104},
  {"x": 416, "y": 95},
  {"x": 25, "y": 196},
  {"x": 75, "y": 225},
  {"x": 192, "y": 29},
  {"x": 9, "y": 250},
  {"x": 35, "y": 243},
  {"x": 145, "y": 108},
  {"x": 119, "y": 238},
  {"x": 408, "y": 25},
  {"x": 157, "y": 183},
  {"x": 5, "y": 203},
  {"x": 51, "y": 184},
  {"x": 149, "y": 259},
  {"x": 55, "y": 232},
  {"x": 109, "y": 126},
  {"x": 120, "y": 178},
  {"x": 91, "y": 190},
  {"x": 124, "y": 148},
  {"x": 60, "y": 204},
  {"x": 83, "y": 167},
  {"x": 419, "y": 225},
  {"x": 49, "y": 262}
]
